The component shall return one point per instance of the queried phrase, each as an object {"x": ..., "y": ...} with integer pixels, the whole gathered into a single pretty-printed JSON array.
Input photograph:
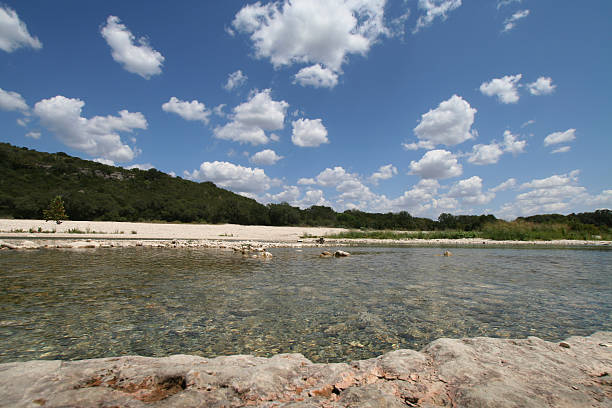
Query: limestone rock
[{"x": 477, "y": 372}]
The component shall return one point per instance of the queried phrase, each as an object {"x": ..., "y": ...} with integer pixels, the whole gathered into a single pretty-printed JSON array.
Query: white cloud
[
  {"x": 510, "y": 22},
  {"x": 528, "y": 123},
  {"x": 307, "y": 181},
  {"x": 469, "y": 191},
  {"x": 317, "y": 77},
  {"x": 290, "y": 194},
  {"x": 434, "y": 9},
  {"x": 33, "y": 135},
  {"x": 235, "y": 80},
  {"x": 104, "y": 161},
  {"x": 512, "y": 145},
  {"x": 560, "y": 137},
  {"x": 11, "y": 101},
  {"x": 542, "y": 86},
  {"x": 332, "y": 177},
  {"x": 138, "y": 59},
  {"x": 313, "y": 197},
  {"x": 485, "y": 154},
  {"x": 502, "y": 3},
  {"x": 265, "y": 157},
  {"x": 308, "y": 133},
  {"x": 448, "y": 124},
  {"x": 218, "y": 110},
  {"x": 312, "y": 31},
  {"x": 232, "y": 176},
  {"x": 143, "y": 166},
  {"x": 96, "y": 136},
  {"x": 383, "y": 173},
  {"x": 274, "y": 137},
  {"x": 436, "y": 164},
  {"x": 23, "y": 122},
  {"x": 421, "y": 144},
  {"x": 506, "y": 185},
  {"x": 193, "y": 110},
  {"x": 556, "y": 180},
  {"x": 419, "y": 199},
  {"x": 559, "y": 193},
  {"x": 14, "y": 33},
  {"x": 252, "y": 118},
  {"x": 562, "y": 149},
  {"x": 504, "y": 88}
]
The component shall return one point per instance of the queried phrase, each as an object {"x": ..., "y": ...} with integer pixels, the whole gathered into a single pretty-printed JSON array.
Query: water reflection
[{"x": 157, "y": 302}]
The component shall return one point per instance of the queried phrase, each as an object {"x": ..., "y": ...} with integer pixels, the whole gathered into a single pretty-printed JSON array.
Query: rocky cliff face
[{"x": 478, "y": 372}]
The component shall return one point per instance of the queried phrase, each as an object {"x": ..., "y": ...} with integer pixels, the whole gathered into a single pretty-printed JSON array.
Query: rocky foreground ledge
[{"x": 477, "y": 372}]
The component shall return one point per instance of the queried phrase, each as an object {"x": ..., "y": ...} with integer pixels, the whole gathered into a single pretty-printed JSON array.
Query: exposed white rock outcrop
[{"x": 477, "y": 372}]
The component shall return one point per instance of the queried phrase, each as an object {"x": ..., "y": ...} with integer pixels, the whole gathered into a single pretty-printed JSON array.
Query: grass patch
[{"x": 497, "y": 231}]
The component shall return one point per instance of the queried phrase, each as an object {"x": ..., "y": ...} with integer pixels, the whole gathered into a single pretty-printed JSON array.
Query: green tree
[{"x": 55, "y": 211}]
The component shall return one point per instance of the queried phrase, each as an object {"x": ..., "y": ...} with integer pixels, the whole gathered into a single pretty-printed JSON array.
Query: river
[{"x": 76, "y": 304}]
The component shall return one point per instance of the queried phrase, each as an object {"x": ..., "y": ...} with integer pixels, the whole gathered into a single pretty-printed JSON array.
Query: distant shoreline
[{"x": 229, "y": 235}]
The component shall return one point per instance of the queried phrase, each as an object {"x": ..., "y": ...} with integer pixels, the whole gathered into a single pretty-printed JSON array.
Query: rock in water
[
  {"x": 340, "y": 254},
  {"x": 448, "y": 253},
  {"x": 325, "y": 254}
]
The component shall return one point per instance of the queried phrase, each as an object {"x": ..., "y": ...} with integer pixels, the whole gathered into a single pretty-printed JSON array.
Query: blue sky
[{"x": 426, "y": 106}]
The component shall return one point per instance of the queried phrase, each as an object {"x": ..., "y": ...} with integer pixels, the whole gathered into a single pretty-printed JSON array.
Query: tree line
[{"x": 30, "y": 180}]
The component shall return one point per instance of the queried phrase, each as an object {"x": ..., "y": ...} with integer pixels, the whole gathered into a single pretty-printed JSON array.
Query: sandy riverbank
[{"x": 215, "y": 235}]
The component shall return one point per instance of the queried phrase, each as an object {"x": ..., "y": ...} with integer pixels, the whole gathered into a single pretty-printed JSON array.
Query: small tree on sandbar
[{"x": 55, "y": 211}]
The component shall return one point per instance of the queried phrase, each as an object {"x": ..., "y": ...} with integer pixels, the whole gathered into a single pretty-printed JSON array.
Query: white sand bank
[{"x": 109, "y": 229}]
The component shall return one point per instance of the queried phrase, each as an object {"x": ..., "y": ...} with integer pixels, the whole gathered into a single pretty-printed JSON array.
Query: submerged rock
[{"x": 477, "y": 372}]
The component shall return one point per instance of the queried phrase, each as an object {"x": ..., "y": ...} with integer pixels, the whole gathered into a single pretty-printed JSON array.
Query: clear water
[{"x": 58, "y": 304}]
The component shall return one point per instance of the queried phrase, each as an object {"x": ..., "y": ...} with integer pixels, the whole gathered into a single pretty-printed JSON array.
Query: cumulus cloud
[
  {"x": 138, "y": 58},
  {"x": 141, "y": 166},
  {"x": 562, "y": 149},
  {"x": 322, "y": 32},
  {"x": 193, "y": 110},
  {"x": 469, "y": 191},
  {"x": 511, "y": 21},
  {"x": 560, "y": 137},
  {"x": 542, "y": 86},
  {"x": 436, "y": 164},
  {"x": 307, "y": 181},
  {"x": 232, "y": 176},
  {"x": 504, "y": 88},
  {"x": 14, "y": 33},
  {"x": 383, "y": 173},
  {"x": 512, "y": 144},
  {"x": 235, "y": 80},
  {"x": 506, "y": 185},
  {"x": 12, "y": 101},
  {"x": 434, "y": 9},
  {"x": 489, "y": 154},
  {"x": 421, "y": 144},
  {"x": 317, "y": 77},
  {"x": 308, "y": 133},
  {"x": 266, "y": 157},
  {"x": 555, "y": 194},
  {"x": 33, "y": 135},
  {"x": 104, "y": 161},
  {"x": 96, "y": 136},
  {"x": 556, "y": 180},
  {"x": 485, "y": 154},
  {"x": 252, "y": 118},
  {"x": 419, "y": 199},
  {"x": 448, "y": 124}
]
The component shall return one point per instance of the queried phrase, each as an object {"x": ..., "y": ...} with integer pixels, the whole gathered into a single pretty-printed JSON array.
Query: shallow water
[{"x": 57, "y": 304}]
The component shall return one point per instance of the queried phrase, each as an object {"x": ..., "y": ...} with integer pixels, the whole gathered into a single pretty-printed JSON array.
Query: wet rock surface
[{"x": 476, "y": 372}]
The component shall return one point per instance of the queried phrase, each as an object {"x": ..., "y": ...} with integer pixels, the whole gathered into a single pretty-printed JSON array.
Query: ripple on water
[{"x": 157, "y": 302}]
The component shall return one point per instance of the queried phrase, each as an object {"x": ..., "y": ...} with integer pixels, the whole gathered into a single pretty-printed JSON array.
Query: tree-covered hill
[{"x": 29, "y": 180}]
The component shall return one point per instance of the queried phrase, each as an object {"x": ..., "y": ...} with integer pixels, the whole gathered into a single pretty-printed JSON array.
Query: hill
[{"x": 29, "y": 180}]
